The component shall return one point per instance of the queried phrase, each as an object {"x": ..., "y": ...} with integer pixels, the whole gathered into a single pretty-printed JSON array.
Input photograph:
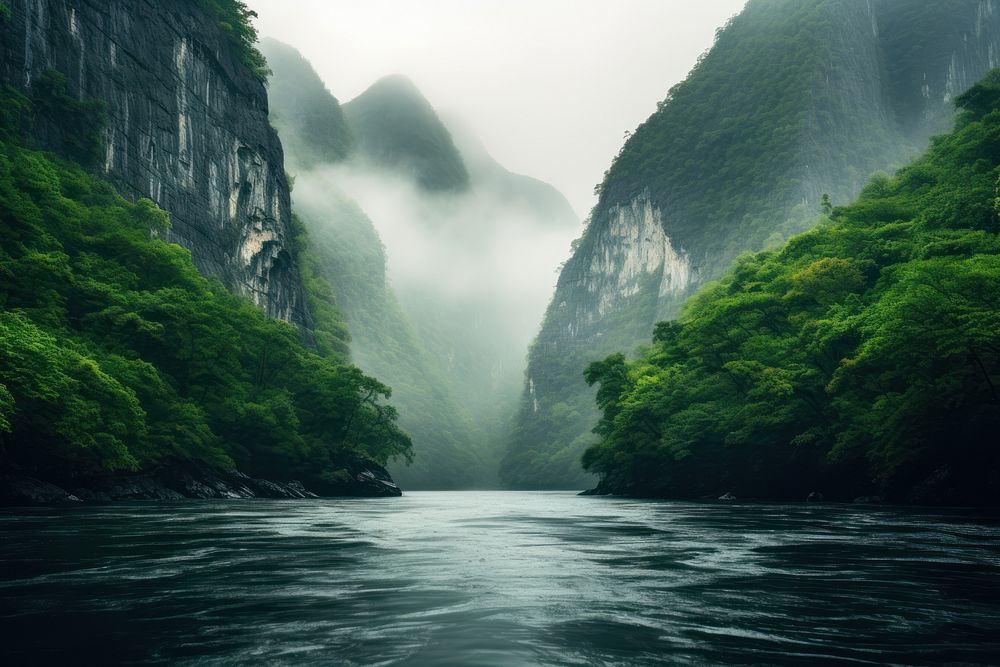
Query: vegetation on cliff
[
  {"x": 862, "y": 357},
  {"x": 115, "y": 353},
  {"x": 796, "y": 98},
  {"x": 235, "y": 20},
  {"x": 308, "y": 117}
]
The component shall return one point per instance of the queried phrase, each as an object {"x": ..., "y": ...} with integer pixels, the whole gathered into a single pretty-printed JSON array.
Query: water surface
[{"x": 498, "y": 578}]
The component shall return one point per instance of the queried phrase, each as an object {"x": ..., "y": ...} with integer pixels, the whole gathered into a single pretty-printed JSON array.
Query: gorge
[{"x": 298, "y": 366}]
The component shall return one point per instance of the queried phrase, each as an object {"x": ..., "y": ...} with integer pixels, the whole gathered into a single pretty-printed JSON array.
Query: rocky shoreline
[{"x": 181, "y": 480}]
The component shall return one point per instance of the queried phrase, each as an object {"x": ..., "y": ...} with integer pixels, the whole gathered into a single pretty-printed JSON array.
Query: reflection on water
[{"x": 496, "y": 579}]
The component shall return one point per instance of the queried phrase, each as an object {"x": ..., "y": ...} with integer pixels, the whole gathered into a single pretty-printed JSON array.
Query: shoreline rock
[{"x": 183, "y": 480}]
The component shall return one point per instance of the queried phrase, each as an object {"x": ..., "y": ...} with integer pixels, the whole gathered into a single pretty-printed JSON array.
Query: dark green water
[{"x": 497, "y": 578}]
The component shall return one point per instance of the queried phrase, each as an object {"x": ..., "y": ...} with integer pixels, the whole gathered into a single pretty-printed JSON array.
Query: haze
[{"x": 550, "y": 86}]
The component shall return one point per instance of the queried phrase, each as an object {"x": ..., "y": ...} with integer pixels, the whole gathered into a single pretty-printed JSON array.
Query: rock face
[
  {"x": 796, "y": 99},
  {"x": 187, "y": 128},
  {"x": 173, "y": 480}
]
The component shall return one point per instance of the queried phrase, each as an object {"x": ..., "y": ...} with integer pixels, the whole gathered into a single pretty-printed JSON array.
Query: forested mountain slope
[
  {"x": 861, "y": 359},
  {"x": 346, "y": 250},
  {"x": 797, "y": 99},
  {"x": 308, "y": 117},
  {"x": 116, "y": 355},
  {"x": 397, "y": 129},
  {"x": 470, "y": 263},
  {"x": 468, "y": 242}
]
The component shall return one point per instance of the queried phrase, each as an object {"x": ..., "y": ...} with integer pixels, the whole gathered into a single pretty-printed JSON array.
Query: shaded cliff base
[
  {"x": 945, "y": 486},
  {"x": 183, "y": 479}
]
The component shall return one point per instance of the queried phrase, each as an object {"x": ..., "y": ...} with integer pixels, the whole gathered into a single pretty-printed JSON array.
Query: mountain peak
[
  {"x": 309, "y": 117},
  {"x": 397, "y": 129}
]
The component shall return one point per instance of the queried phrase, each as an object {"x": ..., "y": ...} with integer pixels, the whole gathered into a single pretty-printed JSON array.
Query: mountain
[
  {"x": 858, "y": 360},
  {"x": 308, "y": 117},
  {"x": 397, "y": 129},
  {"x": 445, "y": 312},
  {"x": 797, "y": 99},
  {"x": 517, "y": 192},
  {"x": 470, "y": 263},
  {"x": 187, "y": 128},
  {"x": 127, "y": 369},
  {"x": 346, "y": 250}
]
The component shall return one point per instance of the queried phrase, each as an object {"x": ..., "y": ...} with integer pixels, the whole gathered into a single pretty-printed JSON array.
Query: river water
[{"x": 497, "y": 578}]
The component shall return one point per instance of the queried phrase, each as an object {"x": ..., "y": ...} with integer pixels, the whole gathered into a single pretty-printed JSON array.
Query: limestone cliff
[
  {"x": 796, "y": 99},
  {"x": 187, "y": 127}
]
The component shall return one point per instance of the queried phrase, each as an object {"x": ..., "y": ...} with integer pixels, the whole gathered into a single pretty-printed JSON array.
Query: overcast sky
[{"x": 550, "y": 86}]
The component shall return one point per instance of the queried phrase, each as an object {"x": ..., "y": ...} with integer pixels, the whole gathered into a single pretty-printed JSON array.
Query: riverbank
[{"x": 181, "y": 479}]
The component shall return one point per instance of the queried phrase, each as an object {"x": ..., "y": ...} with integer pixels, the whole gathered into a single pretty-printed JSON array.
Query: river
[{"x": 497, "y": 578}]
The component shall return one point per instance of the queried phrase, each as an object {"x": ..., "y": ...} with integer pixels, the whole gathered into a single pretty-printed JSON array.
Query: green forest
[
  {"x": 116, "y": 354},
  {"x": 795, "y": 99},
  {"x": 862, "y": 358}
]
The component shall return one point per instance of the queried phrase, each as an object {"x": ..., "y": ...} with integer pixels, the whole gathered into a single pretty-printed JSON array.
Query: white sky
[{"x": 550, "y": 86}]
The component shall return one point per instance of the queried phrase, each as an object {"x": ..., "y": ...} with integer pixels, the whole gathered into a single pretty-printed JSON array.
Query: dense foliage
[
  {"x": 235, "y": 20},
  {"x": 116, "y": 354},
  {"x": 862, "y": 357},
  {"x": 796, "y": 99}
]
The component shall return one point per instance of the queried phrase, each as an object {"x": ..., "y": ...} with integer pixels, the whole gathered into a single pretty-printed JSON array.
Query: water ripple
[{"x": 498, "y": 579}]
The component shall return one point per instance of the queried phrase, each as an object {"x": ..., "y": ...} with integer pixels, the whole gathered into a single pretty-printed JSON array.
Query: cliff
[
  {"x": 187, "y": 127},
  {"x": 795, "y": 100},
  {"x": 855, "y": 362}
]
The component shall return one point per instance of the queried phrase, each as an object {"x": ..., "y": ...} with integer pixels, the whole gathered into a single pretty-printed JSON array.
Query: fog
[
  {"x": 550, "y": 86},
  {"x": 473, "y": 271},
  {"x": 467, "y": 247},
  {"x": 545, "y": 88}
]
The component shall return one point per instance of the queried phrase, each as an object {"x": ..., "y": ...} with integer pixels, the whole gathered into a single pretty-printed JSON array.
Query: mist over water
[{"x": 499, "y": 579}]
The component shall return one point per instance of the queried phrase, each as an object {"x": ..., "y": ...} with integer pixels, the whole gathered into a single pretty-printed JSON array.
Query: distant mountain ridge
[
  {"x": 524, "y": 192},
  {"x": 314, "y": 126},
  {"x": 397, "y": 129},
  {"x": 453, "y": 362}
]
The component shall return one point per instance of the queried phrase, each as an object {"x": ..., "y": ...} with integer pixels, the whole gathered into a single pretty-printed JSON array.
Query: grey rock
[
  {"x": 181, "y": 479},
  {"x": 21, "y": 490},
  {"x": 727, "y": 496},
  {"x": 298, "y": 488}
]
